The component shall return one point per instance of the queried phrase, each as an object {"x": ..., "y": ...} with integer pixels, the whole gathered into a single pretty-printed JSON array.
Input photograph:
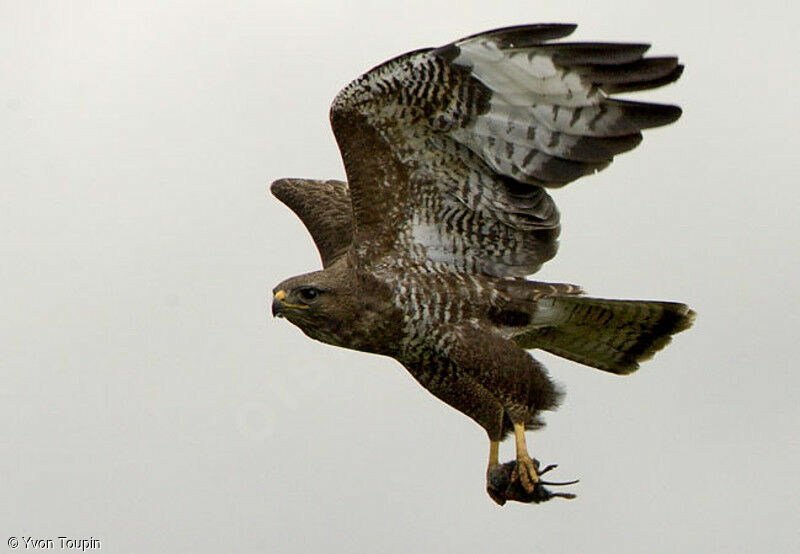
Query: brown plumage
[{"x": 448, "y": 154}]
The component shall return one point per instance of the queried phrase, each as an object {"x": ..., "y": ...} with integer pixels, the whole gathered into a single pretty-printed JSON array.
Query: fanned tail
[{"x": 611, "y": 335}]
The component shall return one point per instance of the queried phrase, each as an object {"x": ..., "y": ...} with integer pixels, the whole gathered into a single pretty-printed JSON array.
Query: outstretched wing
[
  {"x": 448, "y": 151},
  {"x": 324, "y": 208}
]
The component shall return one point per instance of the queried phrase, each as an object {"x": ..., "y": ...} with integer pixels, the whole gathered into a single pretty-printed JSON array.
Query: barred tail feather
[{"x": 611, "y": 335}]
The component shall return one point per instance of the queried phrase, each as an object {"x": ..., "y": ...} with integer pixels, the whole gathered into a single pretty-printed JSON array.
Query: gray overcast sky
[{"x": 147, "y": 399}]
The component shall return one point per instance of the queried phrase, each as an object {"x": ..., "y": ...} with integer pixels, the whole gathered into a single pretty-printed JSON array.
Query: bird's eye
[{"x": 308, "y": 294}]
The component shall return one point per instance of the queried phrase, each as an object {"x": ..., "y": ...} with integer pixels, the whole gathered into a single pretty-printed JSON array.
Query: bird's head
[
  {"x": 342, "y": 307},
  {"x": 318, "y": 303}
]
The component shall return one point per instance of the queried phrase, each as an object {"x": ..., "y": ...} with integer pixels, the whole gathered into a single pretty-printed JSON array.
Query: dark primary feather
[
  {"x": 520, "y": 36},
  {"x": 601, "y": 53},
  {"x": 638, "y": 75}
]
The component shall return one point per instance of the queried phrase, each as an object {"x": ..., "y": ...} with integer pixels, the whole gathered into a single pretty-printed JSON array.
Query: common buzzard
[{"x": 449, "y": 154}]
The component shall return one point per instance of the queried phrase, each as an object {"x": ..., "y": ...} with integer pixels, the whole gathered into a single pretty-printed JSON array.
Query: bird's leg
[
  {"x": 525, "y": 469},
  {"x": 494, "y": 461},
  {"x": 494, "y": 454}
]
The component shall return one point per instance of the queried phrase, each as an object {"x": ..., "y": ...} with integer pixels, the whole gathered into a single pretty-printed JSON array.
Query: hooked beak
[{"x": 277, "y": 303}]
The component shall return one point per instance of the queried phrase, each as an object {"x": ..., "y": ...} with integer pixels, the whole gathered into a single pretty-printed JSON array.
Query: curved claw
[
  {"x": 548, "y": 468},
  {"x": 560, "y": 483}
]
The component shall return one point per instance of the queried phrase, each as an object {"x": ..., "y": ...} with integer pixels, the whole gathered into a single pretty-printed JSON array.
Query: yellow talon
[{"x": 525, "y": 469}]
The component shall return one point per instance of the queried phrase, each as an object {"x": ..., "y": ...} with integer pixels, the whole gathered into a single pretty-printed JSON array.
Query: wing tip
[
  {"x": 668, "y": 113},
  {"x": 280, "y": 188},
  {"x": 646, "y": 115},
  {"x": 668, "y": 72}
]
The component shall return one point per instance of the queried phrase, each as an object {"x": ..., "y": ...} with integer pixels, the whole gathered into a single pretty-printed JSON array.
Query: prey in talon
[
  {"x": 451, "y": 154},
  {"x": 502, "y": 485}
]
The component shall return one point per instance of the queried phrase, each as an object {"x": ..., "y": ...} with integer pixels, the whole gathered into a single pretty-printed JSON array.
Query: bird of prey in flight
[{"x": 450, "y": 154}]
